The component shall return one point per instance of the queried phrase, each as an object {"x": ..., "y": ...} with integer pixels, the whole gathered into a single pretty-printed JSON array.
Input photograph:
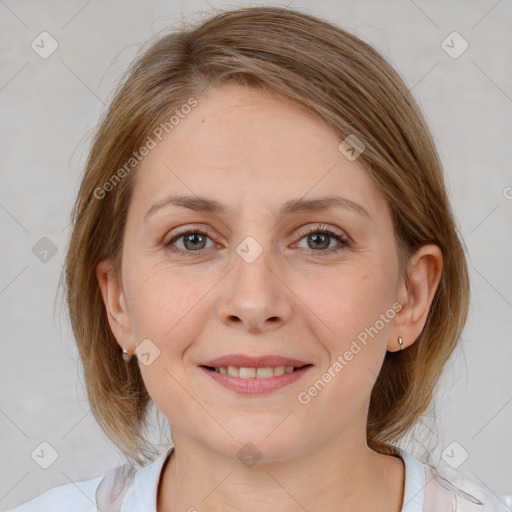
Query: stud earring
[
  {"x": 400, "y": 342},
  {"x": 127, "y": 357}
]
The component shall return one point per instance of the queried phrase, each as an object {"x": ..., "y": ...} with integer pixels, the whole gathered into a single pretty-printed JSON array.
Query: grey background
[{"x": 48, "y": 110}]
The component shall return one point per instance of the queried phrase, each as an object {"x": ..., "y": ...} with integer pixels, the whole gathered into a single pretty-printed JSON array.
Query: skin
[{"x": 253, "y": 151}]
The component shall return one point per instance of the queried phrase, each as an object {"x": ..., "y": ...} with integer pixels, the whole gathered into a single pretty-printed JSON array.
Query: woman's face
[{"x": 269, "y": 277}]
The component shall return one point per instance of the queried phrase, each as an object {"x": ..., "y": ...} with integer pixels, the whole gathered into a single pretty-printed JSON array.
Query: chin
[{"x": 252, "y": 446}]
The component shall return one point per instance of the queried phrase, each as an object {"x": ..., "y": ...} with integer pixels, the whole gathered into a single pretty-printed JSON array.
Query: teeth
[
  {"x": 279, "y": 370},
  {"x": 247, "y": 373},
  {"x": 250, "y": 373},
  {"x": 263, "y": 373},
  {"x": 233, "y": 371}
]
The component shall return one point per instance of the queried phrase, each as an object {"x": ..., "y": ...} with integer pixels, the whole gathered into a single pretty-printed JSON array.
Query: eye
[
  {"x": 319, "y": 238},
  {"x": 193, "y": 241}
]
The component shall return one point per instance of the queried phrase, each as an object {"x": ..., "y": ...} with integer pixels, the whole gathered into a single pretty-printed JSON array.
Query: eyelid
[
  {"x": 343, "y": 239},
  {"x": 323, "y": 227},
  {"x": 183, "y": 230}
]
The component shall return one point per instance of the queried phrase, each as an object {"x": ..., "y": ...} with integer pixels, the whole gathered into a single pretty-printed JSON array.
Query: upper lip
[{"x": 244, "y": 361}]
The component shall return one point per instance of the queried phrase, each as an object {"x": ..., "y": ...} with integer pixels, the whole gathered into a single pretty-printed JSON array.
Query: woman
[{"x": 263, "y": 224}]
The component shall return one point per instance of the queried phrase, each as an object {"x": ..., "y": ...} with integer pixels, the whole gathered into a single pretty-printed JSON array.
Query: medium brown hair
[{"x": 354, "y": 90}]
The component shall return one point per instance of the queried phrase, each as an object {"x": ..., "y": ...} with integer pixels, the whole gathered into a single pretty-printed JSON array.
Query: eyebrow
[{"x": 205, "y": 204}]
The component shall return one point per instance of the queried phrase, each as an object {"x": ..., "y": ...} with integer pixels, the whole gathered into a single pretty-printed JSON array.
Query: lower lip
[{"x": 256, "y": 385}]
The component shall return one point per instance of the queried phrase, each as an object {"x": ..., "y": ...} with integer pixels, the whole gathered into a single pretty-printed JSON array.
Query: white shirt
[{"x": 427, "y": 489}]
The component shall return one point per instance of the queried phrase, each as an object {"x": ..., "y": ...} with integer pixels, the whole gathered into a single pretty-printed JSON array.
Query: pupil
[
  {"x": 195, "y": 238},
  {"x": 325, "y": 238}
]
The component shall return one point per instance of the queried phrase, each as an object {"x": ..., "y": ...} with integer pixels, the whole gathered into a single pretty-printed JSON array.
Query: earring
[
  {"x": 126, "y": 356},
  {"x": 400, "y": 342}
]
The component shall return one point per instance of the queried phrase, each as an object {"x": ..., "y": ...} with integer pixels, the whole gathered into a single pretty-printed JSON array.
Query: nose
[{"x": 254, "y": 297}]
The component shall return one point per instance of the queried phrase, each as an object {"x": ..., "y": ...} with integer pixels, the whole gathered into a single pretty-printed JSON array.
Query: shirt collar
[
  {"x": 145, "y": 484},
  {"x": 414, "y": 489}
]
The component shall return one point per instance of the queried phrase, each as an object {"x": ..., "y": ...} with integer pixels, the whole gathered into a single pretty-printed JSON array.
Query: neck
[{"x": 339, "y": 476}]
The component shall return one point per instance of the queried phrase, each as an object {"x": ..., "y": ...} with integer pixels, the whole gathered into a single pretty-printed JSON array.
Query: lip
[
  {"x": 245, "y": 361},
  {"x": 255, "y": 385}
]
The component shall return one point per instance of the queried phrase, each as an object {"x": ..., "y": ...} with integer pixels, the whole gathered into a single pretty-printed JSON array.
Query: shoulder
[
  {"x": 79, "y": 497},
  {"x": 442, "y": 489},
  {"x": 105, "y": 492},
  {"x": 449, "y": 489},
  {"x": 126, "y": 485}
]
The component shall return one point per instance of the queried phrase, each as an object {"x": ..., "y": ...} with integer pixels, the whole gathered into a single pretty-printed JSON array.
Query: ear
[
  {"x": 416, "y": 293},
  {"x": 115, "y": 304}
]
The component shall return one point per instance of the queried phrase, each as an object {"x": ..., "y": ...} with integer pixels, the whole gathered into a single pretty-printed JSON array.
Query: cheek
[
  {"x": 357, "y": 307},
  {"x": 171, "y": 312},
  {"x": 350, "y": 300},
  {"x": 175, "y": 311},
  {"x": 164, "y": 307}
]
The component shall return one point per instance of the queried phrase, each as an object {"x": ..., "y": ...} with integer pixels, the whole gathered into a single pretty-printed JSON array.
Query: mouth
[
  {"x": 256, "y": 379},
  {"x": 244, "y": 372}
]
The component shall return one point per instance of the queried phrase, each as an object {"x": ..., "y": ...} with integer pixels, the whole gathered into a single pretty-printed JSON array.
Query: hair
[{"x": 355, "y": 91}]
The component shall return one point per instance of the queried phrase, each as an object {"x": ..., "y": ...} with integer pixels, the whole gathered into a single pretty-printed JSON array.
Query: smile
[
  {"x": 247, "y": 380},
  {"x": 259, "y": 373}
]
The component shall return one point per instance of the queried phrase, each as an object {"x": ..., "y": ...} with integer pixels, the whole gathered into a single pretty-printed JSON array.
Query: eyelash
[{"x": 342, "y": 239}]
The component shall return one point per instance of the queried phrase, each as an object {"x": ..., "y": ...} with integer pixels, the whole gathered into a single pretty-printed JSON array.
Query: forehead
[{"x": 246, "y": 144}]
